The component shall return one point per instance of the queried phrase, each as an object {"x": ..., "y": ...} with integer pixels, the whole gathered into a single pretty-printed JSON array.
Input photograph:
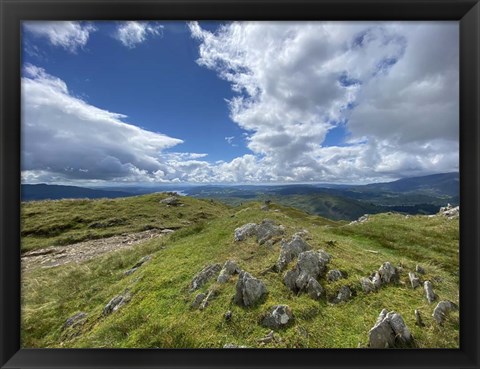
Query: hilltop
[{"x": 149, "y": 293}]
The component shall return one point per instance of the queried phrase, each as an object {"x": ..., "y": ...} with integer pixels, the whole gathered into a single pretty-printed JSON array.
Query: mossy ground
[{"x": 159, "y": 313}]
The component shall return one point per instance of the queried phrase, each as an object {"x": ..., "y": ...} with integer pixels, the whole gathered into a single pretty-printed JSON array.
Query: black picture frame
[{"x": 467, "y": 12}]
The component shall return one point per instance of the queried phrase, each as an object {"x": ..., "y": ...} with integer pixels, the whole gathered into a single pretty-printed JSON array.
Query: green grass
[{"x": 159, "y": 313}]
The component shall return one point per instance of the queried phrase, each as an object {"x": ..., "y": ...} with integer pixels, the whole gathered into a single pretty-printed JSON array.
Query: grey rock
[
  {"x": 419, "y": 269},
  {"x": 245, "y": 231},
  {"x": 229, "y": 268},
  {"x": 344, "y": 294},
  {"x": 228, "y": 316},
  {"x": 450, "y": 211},
  {"x": 197, "y": 301},
  {"x": 290, "y": 250},
  {"x": 418, "y": 319},
  {"x": 75, "y": 320},
  {"x": 377, "y": 280},
  {"x": 116, "y": 303},
  {"x": 206, "y": 301},
  {"x": 388, "y": 273},
  {"x": 442, "y": 309},
  {"x": 367, "y": 285},
  {"x": 277, "y": 317},
  {"x": 171, "y": 201},
  {"x": 130, "y": 271},
  {"x": 310, "y": 265},
  {"x": 429, "y": 294},
  {"x": 233, "y": 346},
  {"x": 414, "y": 280},
  {"x": 334, "y": 275},
  {"x": 267, "y": 229},
  {"x": 315, "y": 289},
  {"x": 249, "y": 290},
  {"x": 202, "y": 277},
  {"x": 389, "y": 330},
  {"x": 142, "y": 261}
]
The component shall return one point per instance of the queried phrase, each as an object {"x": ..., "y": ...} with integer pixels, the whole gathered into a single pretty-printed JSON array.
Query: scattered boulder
[
  {"x": 430, "y": 295},
  {"x": 367, "y": 285},
  {"x": 389, "y": 331},
  {"x": 344, "y": 294},
  {"x": 377, "y": 280},
  {"x": 314, "y": 289},
  {"x": 267, "y": 229},
  {"x": 442, "y": 309},
  {"x": 450, "y": 211},
  {"x": 229, "y": 268},
  {"x": 414, "y": 280},
  {"x": 75, "y": 320},
  {"x": 247, "y": 230},
  {"x": 362, "y": 219},
  {"x": 310, "y": 264},
  {"x": 419, "y": 269},
  {"x": 171, "y": 201},
  {"x": 388, "y": 273},
  {"x": 277, "y": 317},
  {"x": 249, "y": 290},
  {"x": 290, "y": 250},
  {"x": 334, "y": 275},
  {"x": 204, "y": 276},
  {"x": 418, "y": 319},
  {"x": 116, "y": 303},
  {"x": 197, "y": 301}
]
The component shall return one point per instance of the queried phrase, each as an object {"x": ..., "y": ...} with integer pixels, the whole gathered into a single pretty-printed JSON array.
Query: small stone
[
  {"x": 277, "y": 317},
  {"x": 418, "y": 319},
  {"x": 142, "y": 261},
  {"x": 268, "y": 338},
  {"x": 202, "y": 277},
  {"x": 228, "y": 316},
  {"x": 367, "y": 285},
  {"x": 116, "y": 303},
  {"x": 75, "y": 320},
  {"x": 129, "y": 271},
  {"x": 247, "y": 230},
  {"x": 442, "y": 309},
  {"x": 229, "y": 268},
  {"x": 388, "y": 273},
  {"x": 430, "y": 295},
  {"x": 419, "y": 269},
  {"x": 315, "y": 289},
  {"x": 414, "y": 281},
  {"x": 334, "y": 275},
  {"x": 249, "y": 290},
  {"x": 198, "y": 300},
  {"x": 206, "y": 301},
  {"x": 377, "y": 280},
  {"x": 344, "y": 294},
  {"x": 389, "y": 330}
]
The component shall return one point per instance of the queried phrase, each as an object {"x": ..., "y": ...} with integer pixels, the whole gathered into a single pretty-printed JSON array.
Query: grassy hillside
[{"x": 159, "y": 312}]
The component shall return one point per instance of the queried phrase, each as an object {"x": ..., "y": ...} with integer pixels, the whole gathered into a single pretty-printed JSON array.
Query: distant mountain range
[{"x": 416, "y": 195}]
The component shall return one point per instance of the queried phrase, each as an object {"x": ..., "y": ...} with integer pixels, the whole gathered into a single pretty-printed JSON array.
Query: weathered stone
[
  {"x": 267, "y": 229},
  {"x": 171, "y": 201},
  {"x": 204, "y": 276},
  {"x": 310, "y": 265},
  {"x": 277, "y": 317},
  {"x": 418, "y": 319},
  {"x": 377, "y": 280},
  {"x": 429, "y": 294},
  {"x": 344, "y": 294},
  {"x": 247, "y": 230},
  {"x": 116, "y": 303},
  {"x": 450, "y": 211},
  {"x": 419, "y": 269},
  {"x": 334, "y": 275},
  {"x": 206, "y": 301},
  {"x": 367, "y": 285},
  {"x": 249, "y": 290},
  {"x": 389, "y": 330},
  {"x": 362, "y": 219},
  {"x": 314, "y": 289},
  {"x": 198, "y": 300},
  {"x": 75, "y": 320},
  {"x": 229, "y": 268},
  {"x": 414, "y": 281},
  {"x": 442, "y": 309},
  {"x": 388, "y": 273},
  {"x": 130, "y": 271},
  {"x": 290, "y": 250}
]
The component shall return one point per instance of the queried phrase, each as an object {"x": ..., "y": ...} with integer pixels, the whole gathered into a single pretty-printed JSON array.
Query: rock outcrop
[
  {"x": 75, "y": 320},
  {"x": 204, "y": 276},
  {"x": 388, "y": 273},
  {"x": 245, "y": 231},
  {"x": 429, "y": 294},
  {"x": 277, "y": 317},
  {"x": 450, "y": 211},
  {"x": 414, "y": 280},
  {"x": 310, "y": 264},
  {"x": 442, "y": 309},
  {"x": 171, "y": 201},
  {"x": 249, "y": 290},
  {"x": 290, "y": 250},
  {"x": 267, "y": 230},
  {"x": 229, "y": 268},
  {"x": 344, "y": 294},
  {"x": 116, "y": 303},
  {"x": 334, "y": 275},
  {"x": 389, "y": 331}
]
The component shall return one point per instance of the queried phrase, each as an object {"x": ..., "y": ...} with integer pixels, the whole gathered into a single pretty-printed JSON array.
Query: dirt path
[{"x": 79, "y": 252}]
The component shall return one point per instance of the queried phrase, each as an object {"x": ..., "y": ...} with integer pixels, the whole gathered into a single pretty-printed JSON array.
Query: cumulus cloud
[
  {"x": 65, "y": 137},
  {"x": 66, "y": 34},
  {"x": 393, "y": 86},
  {"x": 132, "y": 33}
]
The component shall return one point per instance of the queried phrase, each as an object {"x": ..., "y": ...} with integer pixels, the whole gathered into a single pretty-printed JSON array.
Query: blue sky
[{"x": 244, "y": 102}]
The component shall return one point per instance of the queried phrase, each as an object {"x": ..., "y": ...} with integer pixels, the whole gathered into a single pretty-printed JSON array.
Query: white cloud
[
  {"x": 394, "y": 86},
  {"x": 132, "y": 33},
  {"x": 65, "y": 137},
  {"x": 66, "y": 34}
]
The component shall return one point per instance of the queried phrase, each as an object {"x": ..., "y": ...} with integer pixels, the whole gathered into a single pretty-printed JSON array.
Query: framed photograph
[{"x": 239, "y": 184}]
